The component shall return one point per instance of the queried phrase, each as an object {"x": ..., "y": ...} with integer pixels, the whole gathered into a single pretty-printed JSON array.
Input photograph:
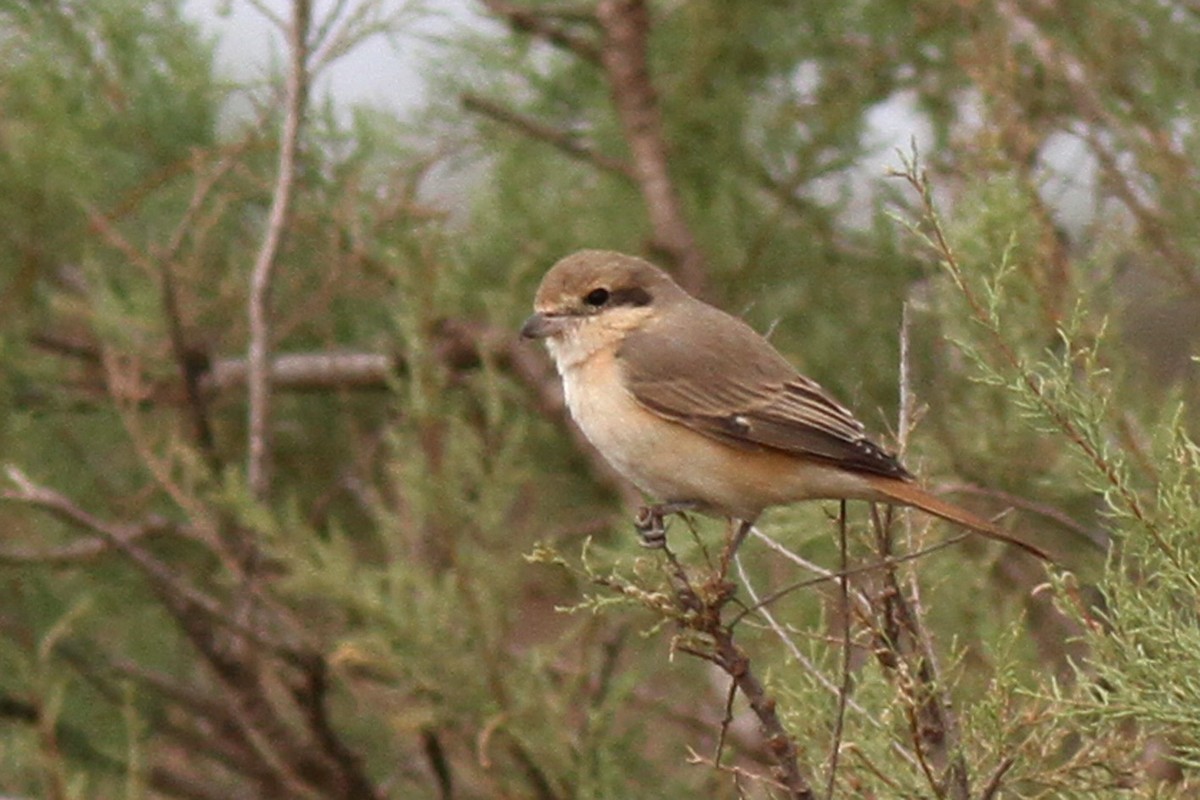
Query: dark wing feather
[{"x": 713, "y": 373}]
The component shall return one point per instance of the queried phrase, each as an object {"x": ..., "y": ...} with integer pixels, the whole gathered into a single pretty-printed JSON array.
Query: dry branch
[
  {"x": 188, "y": 365},
  {"x": 699, "y": 610},
  {"x": 84, "y": 550},
  {"x": 903, "y": 649},
  {"x": 626, "y": 25},
  {"x": 561, "y": 140},
  {"x": 545, "y": 24},
  {"x": 306, "y": 372},
  {"x": 259, "y": 350}
]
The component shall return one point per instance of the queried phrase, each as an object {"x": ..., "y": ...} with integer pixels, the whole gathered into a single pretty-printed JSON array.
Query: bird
[{"x": 697, "y": 409}]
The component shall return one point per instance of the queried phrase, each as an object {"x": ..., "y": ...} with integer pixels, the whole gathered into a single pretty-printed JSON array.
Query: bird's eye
[{"x": 596, "y": 297}]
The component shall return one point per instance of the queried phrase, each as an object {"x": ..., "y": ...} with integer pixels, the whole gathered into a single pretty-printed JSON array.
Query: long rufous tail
[{"x": 909, "y": 494}]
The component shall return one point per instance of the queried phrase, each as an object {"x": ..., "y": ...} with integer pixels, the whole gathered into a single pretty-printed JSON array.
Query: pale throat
[
  {"x": 573, "y": 347},
  {"x": 585, "y": 338}
]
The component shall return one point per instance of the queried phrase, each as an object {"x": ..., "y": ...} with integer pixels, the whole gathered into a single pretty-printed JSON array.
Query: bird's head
[{"x": 593, "y": 298}]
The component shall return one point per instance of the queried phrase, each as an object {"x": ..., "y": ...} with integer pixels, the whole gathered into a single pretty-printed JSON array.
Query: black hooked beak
[{"x": 539, "y": 326}]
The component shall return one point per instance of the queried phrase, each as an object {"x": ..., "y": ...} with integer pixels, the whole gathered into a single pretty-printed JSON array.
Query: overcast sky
[{"x": 380, "y": 72}]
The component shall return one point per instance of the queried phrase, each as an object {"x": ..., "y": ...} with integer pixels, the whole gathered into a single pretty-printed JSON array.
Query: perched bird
[{"x": 700, "y": 411}]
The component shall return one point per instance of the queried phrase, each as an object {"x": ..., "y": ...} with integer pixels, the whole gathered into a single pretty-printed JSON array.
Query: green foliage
[{"x": 100, "y": 99}]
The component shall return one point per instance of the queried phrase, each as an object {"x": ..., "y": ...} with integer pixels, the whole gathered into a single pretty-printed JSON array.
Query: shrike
[{"x": 700, "y": 411}]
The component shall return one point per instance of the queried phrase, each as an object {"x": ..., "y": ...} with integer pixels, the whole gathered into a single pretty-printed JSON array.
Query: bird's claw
[
  {"x": 651, "y": 522},
  {"x": 651, "y": 527}
]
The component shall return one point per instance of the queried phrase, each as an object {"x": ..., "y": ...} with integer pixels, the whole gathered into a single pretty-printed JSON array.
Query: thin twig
[
  {"x": 270, "y": 15},
  {"x": 335, "y": 37},
  {"x": 188, "y": 362},
  {"x": 762, "y": 609},
  {"x": 726, "y": 721},
  {"x": 77, "y": 552},
  {"x": 566, "y": 142},
  {"x": 700, "y": 611},
  {"x": 904, "y": 650},
  {"x": 884, "y": 564},
  {"x": 546, "y": 26},
  {"x": 737, "y": 772},
  {"x": 844, "y": 689},
  {"x": 996, "y": 780},
  {"x": 259, "y": 351}
]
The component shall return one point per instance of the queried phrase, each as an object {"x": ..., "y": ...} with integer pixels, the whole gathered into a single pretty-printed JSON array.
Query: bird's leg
[
  {"x": 743, "y": 530},
  {"x": 650, "y": 525},
  {"x": 738, "y": 530}
]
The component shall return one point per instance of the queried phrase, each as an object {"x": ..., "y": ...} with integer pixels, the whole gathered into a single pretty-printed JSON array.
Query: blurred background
[{"x": 289, "y": 511}]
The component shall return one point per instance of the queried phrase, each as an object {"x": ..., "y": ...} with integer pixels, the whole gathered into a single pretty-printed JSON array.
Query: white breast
[{"x": 627, "y": 435}]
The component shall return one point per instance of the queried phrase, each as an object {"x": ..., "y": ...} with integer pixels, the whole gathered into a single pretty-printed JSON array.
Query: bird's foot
[{"x": 651, "y": 525}]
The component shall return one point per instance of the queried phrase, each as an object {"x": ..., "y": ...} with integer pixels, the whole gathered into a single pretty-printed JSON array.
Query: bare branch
[
  {"x": 824, "y": 575},
  {"x": 700, "y": 607},
  {"x": 997, "y": 778},
  {"x": 626, "y": 25},
  {"x": 763, "y": 610},
  {"x": 271, "y": 16},
  {"x": 340, "y": 32},
  {"x": 561, "y": 140},
  {"x": 77, "y": 552},
  {"x": 903, "y": 649},
  {"x": 259, "y": 446},
  {"x": 323, "y": 31},
  {"x": 543, "y": 24},
  {"x": 307, "y": 371},
  {"x": 313, "y": 698},
  {"x": 843, "y": 694},
  {"x": 458, "y": 344}
]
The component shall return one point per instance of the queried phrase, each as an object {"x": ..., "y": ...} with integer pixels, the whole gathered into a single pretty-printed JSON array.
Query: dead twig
[
  {"x": 904, "y": 651},
  {"x": 84, "y": 550},
  {"x": 564, "y": 141},
  {"x": 996, "y": 780},
  {"x": 190, "y": 362},
  {"x": 843, "y": 694},
  {"x": 699, "y": 609},
  {"x": 259, "y": 350},
  {"x": 825, "y": 575}
]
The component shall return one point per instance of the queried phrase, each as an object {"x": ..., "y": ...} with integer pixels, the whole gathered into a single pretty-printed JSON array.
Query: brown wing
[{"x": 710, "y": 371}]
